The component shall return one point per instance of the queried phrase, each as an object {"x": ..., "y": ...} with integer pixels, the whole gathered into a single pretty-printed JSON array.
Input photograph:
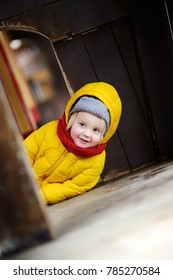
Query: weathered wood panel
[
  {"x": 74, "y": 60},
  {"x": 128, "y": 219},
  {"x": 110, "y": 66},
  {"x": 66, "y": 18},
  {"x": 11, "y": 8},
  {"x": 23, "y": 220},
  {"x": 156, "y": 53}
]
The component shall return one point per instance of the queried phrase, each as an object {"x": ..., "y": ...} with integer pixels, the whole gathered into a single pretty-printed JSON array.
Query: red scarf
[{"x": 68, "y": 143}]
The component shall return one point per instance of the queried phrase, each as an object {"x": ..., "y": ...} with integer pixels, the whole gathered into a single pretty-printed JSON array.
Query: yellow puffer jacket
[{"x": 61, "y": 174}]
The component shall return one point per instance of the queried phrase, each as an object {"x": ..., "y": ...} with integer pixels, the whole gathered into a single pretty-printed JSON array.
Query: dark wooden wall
[
  {"x": 134, "y": 54},
  {"x": 125, "y": 43}
]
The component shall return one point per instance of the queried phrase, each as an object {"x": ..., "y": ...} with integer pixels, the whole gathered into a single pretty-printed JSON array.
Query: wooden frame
[{"x": 23, "y": 220}]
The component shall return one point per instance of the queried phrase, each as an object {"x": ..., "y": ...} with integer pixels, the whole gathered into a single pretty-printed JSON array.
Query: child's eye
[
  {"x": 81, "y": 124},
  {"x": 96, "y": 130}
]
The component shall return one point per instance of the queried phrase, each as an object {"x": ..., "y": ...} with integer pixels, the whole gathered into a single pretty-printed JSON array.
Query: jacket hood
[{"x": 108, "y": 95}]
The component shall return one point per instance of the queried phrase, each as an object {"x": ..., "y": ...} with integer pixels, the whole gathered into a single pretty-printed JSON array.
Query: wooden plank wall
[{"x": 133, "y": 54}]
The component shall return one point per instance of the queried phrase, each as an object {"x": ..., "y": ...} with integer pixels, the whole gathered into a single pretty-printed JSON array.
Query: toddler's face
[{"x": 87, "y": 130}]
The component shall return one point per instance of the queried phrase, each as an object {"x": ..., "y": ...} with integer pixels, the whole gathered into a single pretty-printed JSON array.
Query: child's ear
[{"x": 71, "y": 120}]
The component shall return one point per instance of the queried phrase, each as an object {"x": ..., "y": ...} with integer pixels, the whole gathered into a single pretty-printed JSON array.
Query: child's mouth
[{"x": 83, "y": 140}]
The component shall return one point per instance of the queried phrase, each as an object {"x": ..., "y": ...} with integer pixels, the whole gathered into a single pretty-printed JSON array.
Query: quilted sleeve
[
  {"x": 31, "y": 146},
  {"x": 33, "y": 142}
]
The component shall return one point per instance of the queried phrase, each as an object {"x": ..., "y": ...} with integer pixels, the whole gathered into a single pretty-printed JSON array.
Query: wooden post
[{"x": 23, "y": 220}]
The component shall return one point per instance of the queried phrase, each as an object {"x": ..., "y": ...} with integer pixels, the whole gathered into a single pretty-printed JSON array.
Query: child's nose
[{"x": 87, "y": 133}]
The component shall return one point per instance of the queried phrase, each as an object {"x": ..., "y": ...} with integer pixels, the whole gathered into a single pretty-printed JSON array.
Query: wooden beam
[
  {"x": 23, "y": 220},
  {"x": 66, "y": 18}
]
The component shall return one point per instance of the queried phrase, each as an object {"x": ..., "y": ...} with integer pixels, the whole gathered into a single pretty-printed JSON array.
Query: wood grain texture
[
  {"x": 130, "y": 218},
  {"x": 23, "y": 220}
]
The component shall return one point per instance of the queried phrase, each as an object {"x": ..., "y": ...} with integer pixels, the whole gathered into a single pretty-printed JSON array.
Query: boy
[{"x": 68, "y": 155}]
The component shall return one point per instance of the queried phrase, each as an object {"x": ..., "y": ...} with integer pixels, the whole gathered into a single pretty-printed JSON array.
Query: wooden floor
[{"x": 130, "y": 218}]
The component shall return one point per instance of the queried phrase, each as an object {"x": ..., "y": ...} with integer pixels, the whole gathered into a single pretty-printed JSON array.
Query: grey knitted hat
[{"x": 93, "y": 106}]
